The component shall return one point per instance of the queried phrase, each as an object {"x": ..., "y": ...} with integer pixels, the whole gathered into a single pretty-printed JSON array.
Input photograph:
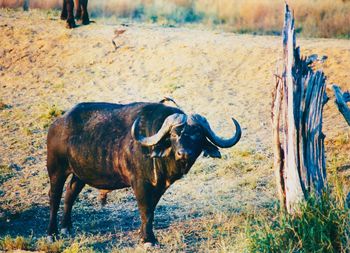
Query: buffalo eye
[{"x": 195, "y": 136}]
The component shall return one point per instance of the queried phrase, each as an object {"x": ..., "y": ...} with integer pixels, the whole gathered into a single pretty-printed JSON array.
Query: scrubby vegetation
[
  {"x": 32, "y": 244},
  {"x": 5, "y": 173},
  {"x": 7, "y": 243},
  {"x": 326, "y": 18},
  {"x": 323, "y": 225},
  {"x": 51, "y": 112}
]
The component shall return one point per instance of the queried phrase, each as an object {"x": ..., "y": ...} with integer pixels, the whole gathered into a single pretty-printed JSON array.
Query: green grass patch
[
  {"x": 321, "y": 225},
  {"x": 4, "y": 106},
  {"x": 171, "y": 87},
  {"x": 6, "y": 172},
  {"x": 52, "y": 112}
]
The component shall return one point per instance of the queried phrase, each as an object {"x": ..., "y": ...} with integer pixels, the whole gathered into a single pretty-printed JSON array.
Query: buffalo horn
[
  {"x": 169, "y": 122},
  {"x": 218, "y": 141}
]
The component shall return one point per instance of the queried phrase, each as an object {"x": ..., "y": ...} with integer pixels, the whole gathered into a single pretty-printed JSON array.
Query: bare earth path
[{"x": 44, "y": 66}]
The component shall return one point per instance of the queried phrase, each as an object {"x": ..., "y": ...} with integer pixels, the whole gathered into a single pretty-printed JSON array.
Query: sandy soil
[{"x": 216, "y": 74}]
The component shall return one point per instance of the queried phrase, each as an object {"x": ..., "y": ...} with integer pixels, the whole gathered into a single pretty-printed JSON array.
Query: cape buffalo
[
  {"x": 80, "y": 12},
  {"x": 146, "y": 146}
]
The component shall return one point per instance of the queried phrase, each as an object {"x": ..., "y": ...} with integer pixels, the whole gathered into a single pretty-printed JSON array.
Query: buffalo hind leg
[
  {"x": 147, "y": 198},
  {"x": 57, "y": 180},
  {"x": 72, "y": 191},
  {"x": 103, "y": 197}
]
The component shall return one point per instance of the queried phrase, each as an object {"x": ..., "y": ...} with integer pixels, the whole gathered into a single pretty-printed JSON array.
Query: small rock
[
  {"x": 29, "y": 160},
  {"x": 15, "y": 166},
  {"x": 49, "y": 239},
  {"x": 148, "y": 245},
  {"x": 4, "y": 106},
  {"x": 65, "y": 232}
]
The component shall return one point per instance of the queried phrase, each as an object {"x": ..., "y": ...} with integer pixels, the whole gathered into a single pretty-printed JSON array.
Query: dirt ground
[{"x": 45, "y": 68}]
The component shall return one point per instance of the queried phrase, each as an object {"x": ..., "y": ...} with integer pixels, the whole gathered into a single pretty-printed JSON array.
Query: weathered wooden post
[
  {"x": 341, "y": 100},
  {"x": 297, "y": 107}
]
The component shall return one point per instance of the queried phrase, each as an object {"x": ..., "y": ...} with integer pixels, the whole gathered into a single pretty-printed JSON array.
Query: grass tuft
[
  {"x": 4, "y": 106},
  {"x": 6, "y": 172},
  {"x": 48, "y": 117},
  {"x": 322, "y": 225},
  {"x": 19, "y": 243},
  {"x": 55, "y": 247},
  {"x": 77, "y": 248}
]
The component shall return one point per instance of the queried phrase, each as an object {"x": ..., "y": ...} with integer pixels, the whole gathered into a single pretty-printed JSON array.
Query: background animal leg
[
  {"x": 78, "y": 9},
  {"x": 70, "y": 17},
  {"x": 85, "y": 14},
  {"x": 64, "y": 10},
  {"x": 72, "y": 191}
]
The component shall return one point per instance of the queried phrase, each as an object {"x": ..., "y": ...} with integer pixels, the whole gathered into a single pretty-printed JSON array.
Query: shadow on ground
[{"x": 115, "y": 218}]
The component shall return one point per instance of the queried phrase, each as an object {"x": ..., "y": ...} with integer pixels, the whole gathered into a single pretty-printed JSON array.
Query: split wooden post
[
  {"x": 341, "y": 100},
  {"x": 297, "y": 107}
]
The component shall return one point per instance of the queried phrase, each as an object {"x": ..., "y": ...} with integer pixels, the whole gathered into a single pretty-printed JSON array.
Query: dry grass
[
  {"x": 46, "y": 69},
  {"x": 326, "y": 18},
  {"x": 338, "y": 165},
  {"x": 7, "y": 243}
]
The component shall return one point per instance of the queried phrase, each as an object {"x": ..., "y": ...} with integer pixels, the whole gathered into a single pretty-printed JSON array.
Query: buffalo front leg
[
  {"x": 146, "y": 231},
  {"x": 72, "y": 191},
  {"x": 147, "y": 198},
  {"x": 70, "y": 16}
]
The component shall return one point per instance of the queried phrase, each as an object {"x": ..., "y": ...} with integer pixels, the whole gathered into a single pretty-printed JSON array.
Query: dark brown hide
[
  {"x": 80, "y": 12},
  {"x": 93, "y": 141}
]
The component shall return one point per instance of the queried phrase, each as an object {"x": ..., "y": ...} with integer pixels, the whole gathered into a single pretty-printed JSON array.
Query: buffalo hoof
[
  {"x": 85, "y": 21},
  {"x": 149, "y": 245},
  {"x": 103, "y": 199},
  {"x": 71, "y": 24},
  {"x": 103, "y": 202},
  {"x": 50, "y": 239}
]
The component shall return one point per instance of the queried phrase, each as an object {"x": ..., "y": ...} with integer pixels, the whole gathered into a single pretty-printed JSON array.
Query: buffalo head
[{"x": 185, "y": 137}]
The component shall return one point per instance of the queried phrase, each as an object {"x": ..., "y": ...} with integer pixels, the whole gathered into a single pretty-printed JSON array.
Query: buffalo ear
[
  {"x": 211, "y": 150},
  {"x": 160, "y": 151}
]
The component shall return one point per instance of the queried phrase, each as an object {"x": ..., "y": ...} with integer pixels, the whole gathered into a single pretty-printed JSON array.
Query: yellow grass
[{"x": 19, "y": 243}]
